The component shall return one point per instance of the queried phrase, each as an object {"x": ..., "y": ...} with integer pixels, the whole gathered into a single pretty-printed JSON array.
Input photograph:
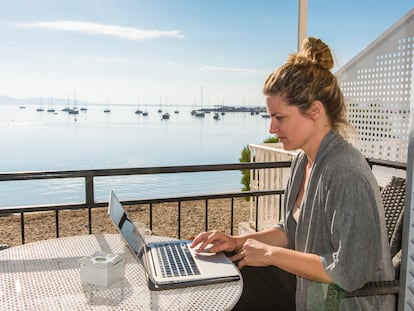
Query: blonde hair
[{"x": 305, "y": 77}]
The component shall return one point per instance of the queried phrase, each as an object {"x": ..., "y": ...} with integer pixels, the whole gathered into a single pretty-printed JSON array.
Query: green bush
[{"x": 245, "y": 157}]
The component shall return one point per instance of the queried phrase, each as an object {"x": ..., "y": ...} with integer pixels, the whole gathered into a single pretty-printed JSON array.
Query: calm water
[{"x": 34, "y": 141}]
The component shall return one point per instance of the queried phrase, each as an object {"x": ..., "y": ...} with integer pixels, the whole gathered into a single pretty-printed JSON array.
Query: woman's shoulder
[
  {"x": 343, "y": 155},
  {"x": 346, "y": 163}
]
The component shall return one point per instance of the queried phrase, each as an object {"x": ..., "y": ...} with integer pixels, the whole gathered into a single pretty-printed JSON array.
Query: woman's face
[{"x": 294, "y": 129}]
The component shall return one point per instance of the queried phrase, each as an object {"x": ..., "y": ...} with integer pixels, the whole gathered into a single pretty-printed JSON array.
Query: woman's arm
[
  {"x": 270, "y": 236},
  {"x": 306, "y": 265}
]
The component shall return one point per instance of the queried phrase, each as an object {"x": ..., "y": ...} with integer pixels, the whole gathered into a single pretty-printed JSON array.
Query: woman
[{"x": 334, "y": 228}]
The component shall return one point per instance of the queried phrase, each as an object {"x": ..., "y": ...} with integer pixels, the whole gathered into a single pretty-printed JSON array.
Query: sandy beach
[{"x": 41, "y": 226}]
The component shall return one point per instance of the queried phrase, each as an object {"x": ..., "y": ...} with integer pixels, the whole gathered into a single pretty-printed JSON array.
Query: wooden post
[{"x": 302, "y": 21}]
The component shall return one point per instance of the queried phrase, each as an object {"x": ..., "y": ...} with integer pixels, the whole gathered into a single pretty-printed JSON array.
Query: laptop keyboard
[{"x": 176, "y": 260}]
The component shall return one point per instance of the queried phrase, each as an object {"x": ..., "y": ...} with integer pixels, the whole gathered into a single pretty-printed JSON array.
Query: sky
[{"x": 171, "y": 52}]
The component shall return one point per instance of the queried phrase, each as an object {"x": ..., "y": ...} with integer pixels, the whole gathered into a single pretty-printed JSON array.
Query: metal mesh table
[{"x": 45, "y": 275}]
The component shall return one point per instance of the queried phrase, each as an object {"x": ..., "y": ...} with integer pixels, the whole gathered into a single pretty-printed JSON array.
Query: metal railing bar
[
  {"x": 57, "y": 223},
  {"x": 22, "y": 226},
  {"x": 206, "y": 214},
  {"x": 46, "y": 208},
  {"x": 90, "y": 219},
  {"x": 89, "y": 190},
  {"x": 150, "y": 215},
  {"x": 257, "y": 214},
  {"x": 232, "y": 216},
  {"x": 6, "y": 176},
  {"x": 179, "y": 220},
  {"x": 389, "y": 164}
]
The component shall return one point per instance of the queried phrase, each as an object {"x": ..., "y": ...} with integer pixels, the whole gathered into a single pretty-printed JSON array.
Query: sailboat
[
  {"x": 83, "y": 108},
  {"x": 145, "y": 112},
  {"x": 40, "y": 109},
  {"x": 138, "y": 111},
  {"x": 74, "y": 109},
  {"x": 200, "y": 113},
  {"x": 165, "y": 115},
  {"x": 51, "y": 109},
  {"x": 160, "y": 110}
]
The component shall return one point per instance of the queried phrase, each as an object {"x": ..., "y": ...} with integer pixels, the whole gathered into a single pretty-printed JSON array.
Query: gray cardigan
[{"x": 342, "y": 221}]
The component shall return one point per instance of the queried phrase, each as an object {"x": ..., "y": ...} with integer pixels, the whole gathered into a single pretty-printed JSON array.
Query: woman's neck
[{"x": 312, "y": 148}]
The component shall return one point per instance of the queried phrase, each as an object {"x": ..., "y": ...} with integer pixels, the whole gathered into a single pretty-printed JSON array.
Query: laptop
[{"x": 171, "y": 264}]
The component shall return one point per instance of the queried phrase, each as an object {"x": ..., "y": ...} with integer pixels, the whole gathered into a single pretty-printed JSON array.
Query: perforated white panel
[{"x": 378, "y": 85}]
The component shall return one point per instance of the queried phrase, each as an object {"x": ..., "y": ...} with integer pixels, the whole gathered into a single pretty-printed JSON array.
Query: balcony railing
[{"x": 90, "y": 202}]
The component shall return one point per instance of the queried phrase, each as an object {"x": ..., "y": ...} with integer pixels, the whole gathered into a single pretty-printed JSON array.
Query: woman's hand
[
  {"x": 254, "y": 253},
  {"x": 220, "y": 242}
]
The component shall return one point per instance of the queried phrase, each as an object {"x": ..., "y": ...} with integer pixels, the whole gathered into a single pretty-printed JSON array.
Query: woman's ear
[{"x": 316, "y": 109}]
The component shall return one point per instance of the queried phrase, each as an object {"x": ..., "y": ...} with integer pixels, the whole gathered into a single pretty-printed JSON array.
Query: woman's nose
[{"x": 273, "y": 127}]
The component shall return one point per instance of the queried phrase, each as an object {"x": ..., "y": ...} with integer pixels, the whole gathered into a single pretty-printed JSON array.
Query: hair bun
[{"x": 317, "y": 52}]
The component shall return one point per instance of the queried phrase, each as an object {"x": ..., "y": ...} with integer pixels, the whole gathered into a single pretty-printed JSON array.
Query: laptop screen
[{"x": 125, "y": 226}]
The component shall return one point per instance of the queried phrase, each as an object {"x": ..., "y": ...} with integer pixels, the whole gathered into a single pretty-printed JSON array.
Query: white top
[{"x": 45, "y": 275}]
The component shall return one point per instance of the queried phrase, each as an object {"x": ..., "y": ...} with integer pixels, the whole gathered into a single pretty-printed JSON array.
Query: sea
[{"x": 51, "y": 141}]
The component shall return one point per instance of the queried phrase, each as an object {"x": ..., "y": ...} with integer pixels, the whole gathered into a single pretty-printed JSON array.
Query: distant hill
[
  {"x": 11, "y": 100},
  {"x": 6, "y": 100}
]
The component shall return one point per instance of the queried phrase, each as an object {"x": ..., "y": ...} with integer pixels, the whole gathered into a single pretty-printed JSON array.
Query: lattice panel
[{"x": 378, "y": 85}]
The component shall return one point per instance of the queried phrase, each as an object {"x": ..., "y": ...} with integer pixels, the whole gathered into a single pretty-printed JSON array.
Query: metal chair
[{"x": 393, "y": 197}]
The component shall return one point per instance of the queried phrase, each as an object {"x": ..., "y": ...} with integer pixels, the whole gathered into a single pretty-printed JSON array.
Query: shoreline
[{"x": 41, "y": 225}]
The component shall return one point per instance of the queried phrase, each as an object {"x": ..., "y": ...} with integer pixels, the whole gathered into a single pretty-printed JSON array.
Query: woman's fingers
[{"x": 204, "y": 239}]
